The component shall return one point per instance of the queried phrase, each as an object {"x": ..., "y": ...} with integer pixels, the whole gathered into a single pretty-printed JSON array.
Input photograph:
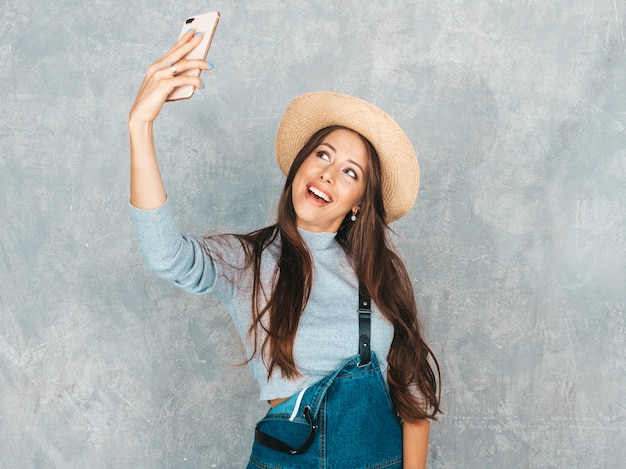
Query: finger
[
  {"x": 183, "y": 66},
  {"x": 184, "y": 48},
  {"x": 183, "y": 39},
  {"x": 182, "y": 80},
  {"x": 186, "y": 43},
  {"x": 166, "y": 74}
]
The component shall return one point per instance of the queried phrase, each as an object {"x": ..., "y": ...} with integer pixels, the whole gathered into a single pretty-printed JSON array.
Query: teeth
[{"x": 319, "y": 193}]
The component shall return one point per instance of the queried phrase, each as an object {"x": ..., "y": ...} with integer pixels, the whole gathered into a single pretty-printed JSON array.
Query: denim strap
[{"x": 278, "y": 445}]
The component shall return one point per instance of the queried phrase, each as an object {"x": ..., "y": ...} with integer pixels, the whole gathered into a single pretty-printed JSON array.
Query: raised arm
[{"x": 146, "y": 185}]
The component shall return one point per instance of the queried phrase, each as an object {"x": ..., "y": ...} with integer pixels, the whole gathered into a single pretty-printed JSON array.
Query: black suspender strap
[{"x": 365, "y": 309}]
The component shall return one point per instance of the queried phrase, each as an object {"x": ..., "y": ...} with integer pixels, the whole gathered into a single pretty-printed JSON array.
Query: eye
[
  {"x": 351, "y": 173},
  {"x": 323, "y": 155}
]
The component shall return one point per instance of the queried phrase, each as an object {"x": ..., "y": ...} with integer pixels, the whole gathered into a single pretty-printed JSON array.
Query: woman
[{"x": 293, "y": 289}]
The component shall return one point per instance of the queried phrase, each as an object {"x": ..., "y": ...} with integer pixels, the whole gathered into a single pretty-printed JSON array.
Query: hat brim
[{"x": 310, "y": 112}]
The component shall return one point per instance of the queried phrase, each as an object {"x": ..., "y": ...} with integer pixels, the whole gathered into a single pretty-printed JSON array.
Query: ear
[{"x": 356, "y": 208}]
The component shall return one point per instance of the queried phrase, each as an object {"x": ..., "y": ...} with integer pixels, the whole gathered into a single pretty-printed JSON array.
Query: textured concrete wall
[{"x": 516, "y": 244}]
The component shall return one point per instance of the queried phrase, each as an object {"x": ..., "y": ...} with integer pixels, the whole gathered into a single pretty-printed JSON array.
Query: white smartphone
[{"x": 205, "y": 23}]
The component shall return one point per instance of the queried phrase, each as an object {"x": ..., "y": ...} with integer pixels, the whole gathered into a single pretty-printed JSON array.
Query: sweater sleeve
[{"x": 183, "y": 260}]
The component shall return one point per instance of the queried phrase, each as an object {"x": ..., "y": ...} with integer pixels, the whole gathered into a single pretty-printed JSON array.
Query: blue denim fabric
[{"x": 357, "y": 427}]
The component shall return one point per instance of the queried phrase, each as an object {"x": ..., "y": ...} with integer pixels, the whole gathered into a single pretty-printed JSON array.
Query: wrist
[{"x": 136, "y": 125}]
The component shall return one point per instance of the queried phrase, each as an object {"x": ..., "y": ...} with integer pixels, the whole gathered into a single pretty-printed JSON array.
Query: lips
[{"x": 319, "y": 194}]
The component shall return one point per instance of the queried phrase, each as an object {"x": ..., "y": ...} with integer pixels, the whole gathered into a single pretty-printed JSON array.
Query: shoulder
[{"x": 241, "y": 250}]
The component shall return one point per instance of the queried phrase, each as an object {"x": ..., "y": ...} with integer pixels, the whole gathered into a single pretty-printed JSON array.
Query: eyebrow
[{"x": 350, "y": 160}]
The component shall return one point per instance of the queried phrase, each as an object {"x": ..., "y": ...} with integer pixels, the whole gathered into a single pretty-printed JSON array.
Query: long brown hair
[{"x": 379, "y": 270}]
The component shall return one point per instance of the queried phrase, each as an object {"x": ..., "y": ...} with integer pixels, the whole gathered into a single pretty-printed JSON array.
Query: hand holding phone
[
  {"x": 204, "y": 24},
  {"x": 176, "y": 74}
]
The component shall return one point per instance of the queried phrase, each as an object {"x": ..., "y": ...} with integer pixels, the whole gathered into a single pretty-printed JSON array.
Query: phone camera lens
[{"x": 189, "y": 20}]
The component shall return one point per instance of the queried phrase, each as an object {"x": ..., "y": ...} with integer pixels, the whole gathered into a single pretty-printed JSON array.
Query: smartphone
[{"x": 206, "y": 23}]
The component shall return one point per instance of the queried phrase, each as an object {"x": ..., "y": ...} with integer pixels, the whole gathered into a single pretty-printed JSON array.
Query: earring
[{"x": 353, "y": 217}]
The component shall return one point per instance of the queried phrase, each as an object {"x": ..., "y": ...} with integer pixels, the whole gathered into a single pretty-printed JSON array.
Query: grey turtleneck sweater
[{"x": 328, "y": 329}]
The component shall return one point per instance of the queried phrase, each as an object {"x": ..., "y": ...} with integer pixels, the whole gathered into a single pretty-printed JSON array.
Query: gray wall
[{"x": 516, "y": 245}]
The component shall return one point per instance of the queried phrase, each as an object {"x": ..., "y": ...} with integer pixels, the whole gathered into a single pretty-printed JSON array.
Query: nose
[{"x": 327, "y": 175}]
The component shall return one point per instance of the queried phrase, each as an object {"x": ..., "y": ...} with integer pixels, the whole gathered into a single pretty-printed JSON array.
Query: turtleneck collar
[{"x": 318, "y": 240}]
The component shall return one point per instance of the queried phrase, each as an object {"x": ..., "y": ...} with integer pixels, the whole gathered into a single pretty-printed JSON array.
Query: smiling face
[{"x": 330, "y": 182}]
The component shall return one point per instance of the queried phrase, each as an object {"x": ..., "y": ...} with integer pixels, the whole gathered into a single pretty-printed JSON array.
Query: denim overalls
[{"x": 345, "y": 421}]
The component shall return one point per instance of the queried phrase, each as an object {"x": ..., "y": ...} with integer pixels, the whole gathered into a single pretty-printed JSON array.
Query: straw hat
[{"x": 310, "y": 112}]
